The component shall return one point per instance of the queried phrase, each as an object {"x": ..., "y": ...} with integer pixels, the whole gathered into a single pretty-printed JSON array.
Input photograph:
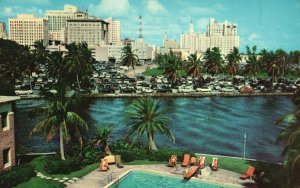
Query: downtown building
[
  {"x": 114, "y": 31},
  {"x": 3, "y": 33},
  {"x": 221, "y": 35},
  {"x": 25, "y": 29},
  {"x": 57, "y": 22}
]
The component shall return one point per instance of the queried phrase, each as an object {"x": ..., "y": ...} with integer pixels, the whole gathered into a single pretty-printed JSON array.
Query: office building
[
  {"x": 27, "y": 28},
  {"x": 3, "y": 33},
  {"x": 114, "y": 31}
]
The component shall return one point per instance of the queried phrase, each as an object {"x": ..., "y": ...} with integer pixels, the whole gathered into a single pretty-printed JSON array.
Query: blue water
[
  {"x": 213, "y": 125},
  {"x": 150, "y": 180}
]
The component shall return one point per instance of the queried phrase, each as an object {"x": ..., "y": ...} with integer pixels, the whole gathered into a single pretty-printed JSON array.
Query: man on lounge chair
[
  {"x": 201, "y": 162},
  {"x": 104, "y": 165}
]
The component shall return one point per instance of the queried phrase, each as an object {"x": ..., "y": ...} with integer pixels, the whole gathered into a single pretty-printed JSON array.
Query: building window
[
  {"x": 4, "y": 120},
  {"x": 6, "y": 158}
]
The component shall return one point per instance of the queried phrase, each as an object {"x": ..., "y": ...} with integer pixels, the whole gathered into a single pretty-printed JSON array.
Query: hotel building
[
  {"x": 221, "y": 35},
  {"x": 82, "y": 28},
  {"x": 27, "y": 28},
  {"x": 7, "y": 133},
  {"x": 3, "y": 33}
]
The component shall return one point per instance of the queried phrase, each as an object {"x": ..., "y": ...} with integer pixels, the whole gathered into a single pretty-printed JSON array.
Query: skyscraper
[
  {"x": 114, "y": 31},
  {"x": 27, "y": 28},
  {"x": 3, "y": 33}
]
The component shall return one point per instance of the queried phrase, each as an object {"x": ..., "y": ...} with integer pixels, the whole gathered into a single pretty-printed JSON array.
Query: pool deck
[{"x": 97, "y": 178}]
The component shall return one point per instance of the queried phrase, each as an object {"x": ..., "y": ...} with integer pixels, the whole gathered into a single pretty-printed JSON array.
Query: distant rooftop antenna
[{"x": 140, "y": 27}]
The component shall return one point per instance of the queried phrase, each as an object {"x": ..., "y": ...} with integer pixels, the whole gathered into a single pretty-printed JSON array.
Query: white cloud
[
  {"x": 253, "y": 37},
  {"x": 6, "y": 11},
  {"x": 200, "y": 10},
  {"x": 111, "y": 7},
  {"x": 154, "y": 7}
]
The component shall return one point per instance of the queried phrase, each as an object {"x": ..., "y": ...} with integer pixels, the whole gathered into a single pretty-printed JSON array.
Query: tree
[
  {"x": 193, "y": 65},
  {"x": 290, "y": 135},
  {"x": 101, "y": 136},
  {"x": 145, "y": 115},
  {"x": 281, "y": 57},
  {"x": 253, "y": 66},
  {"x": 57, "y": 117},
  {"x": 213, "y": 61},
  {"x": 79, "y": 62},
  {"x": 129, "y": 58},
  {"x": 173, "y": 65},
  {"x": 233, "y": 59}
]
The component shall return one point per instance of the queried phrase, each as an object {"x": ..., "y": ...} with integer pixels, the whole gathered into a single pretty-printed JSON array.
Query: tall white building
[
  {"x": 82, "y": 28},
  {"x": 3, "y": 33},
  {"x": 27, "y": 28},
  {"x": 170, "y": 43},
  {"x": 114, "y": 31},
  {"x": 221, "y": 35},
  {"x": 57, "y": 21}
]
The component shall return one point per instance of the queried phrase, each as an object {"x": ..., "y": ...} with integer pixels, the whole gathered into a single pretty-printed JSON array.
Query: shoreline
[{"x": 157, "y": 95}]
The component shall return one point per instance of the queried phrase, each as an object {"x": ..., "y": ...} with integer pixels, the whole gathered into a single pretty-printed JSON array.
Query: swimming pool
[{"x": 146, "y": 179}]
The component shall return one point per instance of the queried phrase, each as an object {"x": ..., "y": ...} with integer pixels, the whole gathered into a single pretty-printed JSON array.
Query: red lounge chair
[
  {"x": 192, "y": 171},
  {"x": 193, "y": 160},
  {"x": 201, "y": 162},
  {"x": 104, "y": 165},
  {"x": 215, "y": 164},
  {"x": 249, "y": 173},
  {"x": 186, "y": 160},
  {"x": 172, "y": 161}
]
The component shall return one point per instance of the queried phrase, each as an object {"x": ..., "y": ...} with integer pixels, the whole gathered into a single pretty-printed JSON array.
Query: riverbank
[{"x": 135, "y": 95}]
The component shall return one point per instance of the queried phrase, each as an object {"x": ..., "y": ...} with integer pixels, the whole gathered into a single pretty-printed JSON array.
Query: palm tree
[
  {"x": 101, "y": 136},
  {"x": 129, "y": 58},
  {"x": 79, "y": 62},
  {"x": 213, "y": 60},
  {"x": 145, "y": 115},
  {"x": 253, "y": 66},
  {"x": 290, "y": 135},
  {"x": 57, "y": 117},
  {"x": 173, "y": 65},
  {"x": 233, "y": 59},
  {"x": 281, "y": 57},
  {"x": 39, "y": 52},
  {"x": 193, "y": 65}
]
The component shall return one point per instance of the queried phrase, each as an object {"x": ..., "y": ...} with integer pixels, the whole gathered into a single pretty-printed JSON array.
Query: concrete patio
[{"x": 98, "y": 178}]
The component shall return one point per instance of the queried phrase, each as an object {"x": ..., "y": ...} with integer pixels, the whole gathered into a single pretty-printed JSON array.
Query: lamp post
[{"x": 245, "y": 140}]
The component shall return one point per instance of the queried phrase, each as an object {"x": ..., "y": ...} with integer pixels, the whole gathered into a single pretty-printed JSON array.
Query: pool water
[{"x": 149, "y": 180}]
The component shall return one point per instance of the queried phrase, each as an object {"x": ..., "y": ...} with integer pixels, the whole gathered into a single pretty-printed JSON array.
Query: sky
[{"x": 269, "y": 24}]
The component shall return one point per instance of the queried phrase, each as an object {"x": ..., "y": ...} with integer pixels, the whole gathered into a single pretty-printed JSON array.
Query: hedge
[
  {"x": 54, "y": 165},
  {"x": 17, "y": 175}
]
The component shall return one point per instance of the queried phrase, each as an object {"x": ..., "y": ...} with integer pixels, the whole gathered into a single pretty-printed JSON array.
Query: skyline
[{"x": 267, "y": 24}]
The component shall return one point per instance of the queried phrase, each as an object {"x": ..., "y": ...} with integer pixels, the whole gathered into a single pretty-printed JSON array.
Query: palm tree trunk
[
  {"x": 77, "y": 78},
  {"x": 61, "y": 143},
  {"x": 151, "y": 143}
]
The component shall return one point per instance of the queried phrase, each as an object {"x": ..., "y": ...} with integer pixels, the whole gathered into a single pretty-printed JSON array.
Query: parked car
[
  {"x": 227, "y": 89},
  {"x": 203, "y": 89},
  {"x": 23, "y": 92}
]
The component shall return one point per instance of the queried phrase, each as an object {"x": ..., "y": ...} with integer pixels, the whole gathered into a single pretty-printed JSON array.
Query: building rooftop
[{"x": 4, "y": 99}]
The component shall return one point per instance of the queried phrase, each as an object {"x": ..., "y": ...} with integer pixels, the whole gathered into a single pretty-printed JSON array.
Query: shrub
[
  {"x": 54, "y": 165},
  {"x": 17, "y": 175},
  {"x": 131, "y": 155},
  {"x": 165, "y": 153}
]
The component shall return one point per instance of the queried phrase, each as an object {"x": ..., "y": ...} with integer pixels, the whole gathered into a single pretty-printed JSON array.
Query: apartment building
[
  {"x": 7, "y": 133},
  {"x": 25, "y": 29}
]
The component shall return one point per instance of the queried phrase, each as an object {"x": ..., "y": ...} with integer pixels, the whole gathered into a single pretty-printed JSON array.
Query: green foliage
[
  {"x": 54, "y": 165},
  {"x": 37, "y": 182},
  {"x": 153, "y": 72},
  {"x": 131, "y": 155},
  {"x": 18, "y": 174},
  {"x": 164, "y": 154},
  {"x": 6, "y": 88}
]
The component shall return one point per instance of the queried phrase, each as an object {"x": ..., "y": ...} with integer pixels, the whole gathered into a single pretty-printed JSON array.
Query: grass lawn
[
  {"x": 37, "y": 182},
  {"x": 153, "y": 72}
]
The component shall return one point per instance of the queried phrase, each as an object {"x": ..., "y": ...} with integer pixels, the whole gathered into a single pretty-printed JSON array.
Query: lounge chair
[
  {"x": 249, "y": 173},
  {"x": 104, "y": 165},
  {"x": 172, "y": 161},
  {"x": 215, "y": 164},
  {"x": 201, "y": 162},
  {"x": 110, "y": 159},
  {"x": 119, "y": 161},
  {"x": 192, "y": 171},
  {"x": 186, "y": 160},
  {"x": 193, "y": 160}
]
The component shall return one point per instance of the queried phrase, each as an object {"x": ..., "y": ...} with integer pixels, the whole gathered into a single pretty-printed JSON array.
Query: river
[{"x": 213, "y": 125}]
